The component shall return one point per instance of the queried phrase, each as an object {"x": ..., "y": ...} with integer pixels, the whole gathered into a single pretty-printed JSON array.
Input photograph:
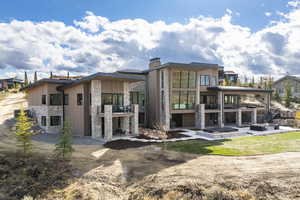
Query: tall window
[
  {"x": 162, "y": 79},
  {"x": 112, "y": 99},
  {"x": 137, "y": 98},
  {"x": 55, "y": 121},
  {"x": 79, "y": 99},
  {"x": 43, "y": 121},
  {"x": 230, "y": 99},
  {"x": 204, "y": 80},
  {"x": 66, "y": 99},
  {"x": 162, "y": 100},
  {"x": 184, "y": 79},
  {"x": 213, "y": 81},
  {"x": 183, "y": 100},
  {"x": 44, "y": 99},
  {"x": 55, "y": 99}
]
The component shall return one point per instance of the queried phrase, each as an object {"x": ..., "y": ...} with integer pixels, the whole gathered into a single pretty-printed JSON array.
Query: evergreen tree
[
  {"x": 68, "y": 75},
  {"x": 277, "y": 96},
  {"x": 35, "y": 76},
  {"x": 23, "y": 133},
  {"x": 63, "y": 148},
  {"x": 51, "y": 75},
  {"x": 226, "y": 82},
  {"x": 288, "y": 96},
  {"x": 25, "y": 79}
]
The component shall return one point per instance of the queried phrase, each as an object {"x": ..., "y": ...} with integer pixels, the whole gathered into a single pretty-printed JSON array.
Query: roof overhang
[
  {"x": 238, "y": 89},
  {"x": 43, "y": 81}
]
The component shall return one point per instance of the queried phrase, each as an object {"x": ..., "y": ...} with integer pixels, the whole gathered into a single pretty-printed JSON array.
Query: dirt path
[{"x": 131, "y": 173}]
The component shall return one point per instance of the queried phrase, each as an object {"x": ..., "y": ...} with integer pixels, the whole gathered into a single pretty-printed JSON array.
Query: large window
[
  {"x": 184, "y": 79},
  {"x": 208, "y": 99},
  {"x": 137, "y": 98},
  {"x": 183, "y": 100},
  {"x": 230, "y": 99},
  {"x": 44, "y": 97},
  {"x": 55, "y": 99},
  {"x": 79, "y": 99},
  {"x": 43, "y": 121},
  {"x": 112, "y": 99},
  {"x": 162, "y": 79},
  {"x": 204, "y": 80},
  {"x": 213, "y": 81},
  {"x": 55, "y": 121}
]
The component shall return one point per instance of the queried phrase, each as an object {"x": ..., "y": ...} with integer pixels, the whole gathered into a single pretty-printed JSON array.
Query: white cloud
[
  {"x": 97, "y": 44},
  {"x": 268, "y": 14},
  {"x": 295, "y": 3}
]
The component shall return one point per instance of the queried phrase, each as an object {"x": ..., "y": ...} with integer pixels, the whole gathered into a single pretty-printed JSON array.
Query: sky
[{"x": 257, "y": 37}]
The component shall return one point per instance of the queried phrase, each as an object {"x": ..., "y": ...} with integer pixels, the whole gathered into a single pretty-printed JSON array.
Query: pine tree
[
  {"x": 51, "y": 75},
  {"x": 277, "y": 96},
  {"x": 288, "y": 96},
  {"x": 68, "y": 75},
  {"x": 63, "y": 148},
  {"x": 23, "y": 133},
  {"x": 35, "y": 76},
  {"x": 25, "y": 79}
]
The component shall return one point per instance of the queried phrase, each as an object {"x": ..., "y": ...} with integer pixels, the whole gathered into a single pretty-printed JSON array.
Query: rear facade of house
[
  {"x": 292, "y": 81},
  {"x": 173, "y": 95}
]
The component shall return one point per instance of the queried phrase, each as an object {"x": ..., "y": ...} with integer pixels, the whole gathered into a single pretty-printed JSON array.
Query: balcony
[
  {"x": 120, "y": 108},
  {"x": 212, "y": 106}
]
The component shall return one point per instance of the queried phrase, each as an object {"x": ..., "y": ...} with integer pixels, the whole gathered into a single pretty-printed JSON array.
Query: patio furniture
[{"x": 258, "y": 127}]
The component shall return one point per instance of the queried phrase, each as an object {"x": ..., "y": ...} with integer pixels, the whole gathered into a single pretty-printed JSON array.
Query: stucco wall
[{"x": 74, "y": 113}]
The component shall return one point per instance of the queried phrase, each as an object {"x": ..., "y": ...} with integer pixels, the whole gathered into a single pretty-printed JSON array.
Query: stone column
[
  {"x": 108, "y": 134},
  {"x": 221, "y": 113},
  {"x": 254, "y": 116},
  {"x": 239, "y": 117},
  {"x": 125, "y": 124},
  {"x": 96, "y": 108},
  {"x": 126, "y": 94},
  {"x": 135, "y": 120},
  {"x": 166, "y": 97},
  {"x": 200, "y": 116}
]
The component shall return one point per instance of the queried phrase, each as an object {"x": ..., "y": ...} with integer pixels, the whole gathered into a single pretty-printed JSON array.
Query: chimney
[{"x": 154, "y": 62}]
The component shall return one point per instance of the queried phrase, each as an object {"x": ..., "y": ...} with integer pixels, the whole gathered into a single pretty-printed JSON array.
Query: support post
[
  {"x": 125, "y": 125},
  {"x": 108, "y": 122},
  {"x": 221, "y": 113},
  {"x": 135, "y": 120},
  {"x": 96, "y": 109},
  {"x": 239, "y": 117},
  {"x": 254, "y": 116}
]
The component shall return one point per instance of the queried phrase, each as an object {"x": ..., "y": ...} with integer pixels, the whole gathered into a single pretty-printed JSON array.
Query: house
[
  {"x": 292, "y": 81},
  {"x": 189, "y": 95},
  {"x": 175, "y": 95},
  {"x": 9, "y": 83},
  {"x": 97, "y": 105}
]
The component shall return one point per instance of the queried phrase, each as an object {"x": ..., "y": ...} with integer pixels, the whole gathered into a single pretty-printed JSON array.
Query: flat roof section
[{"x": 237, "y": 89}]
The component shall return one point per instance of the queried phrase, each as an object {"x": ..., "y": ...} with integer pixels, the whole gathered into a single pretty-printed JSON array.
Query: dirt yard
[{"x": 150, "y": 172}]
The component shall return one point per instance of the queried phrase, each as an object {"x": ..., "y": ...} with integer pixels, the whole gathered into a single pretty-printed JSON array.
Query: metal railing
[
  {"x": 212, "y": 106},
  {"x": 118, "y": 108}
]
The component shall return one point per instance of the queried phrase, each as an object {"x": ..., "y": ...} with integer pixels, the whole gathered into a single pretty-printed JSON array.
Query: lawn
[{"x": 252, "y": 145}]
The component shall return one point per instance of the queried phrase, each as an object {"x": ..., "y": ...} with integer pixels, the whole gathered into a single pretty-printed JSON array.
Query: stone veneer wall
[{"x": 48, "y": 111}]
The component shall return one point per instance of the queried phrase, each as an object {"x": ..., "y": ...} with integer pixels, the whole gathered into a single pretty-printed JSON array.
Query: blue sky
[
  {"x": 257, "y": 37},
  {"x": 252, "y": 13}
]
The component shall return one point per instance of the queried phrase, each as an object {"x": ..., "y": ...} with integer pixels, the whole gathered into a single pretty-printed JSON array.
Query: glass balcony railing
[
  {"x": 212, "y": 106},
  {"x": 120, "y": 108}
]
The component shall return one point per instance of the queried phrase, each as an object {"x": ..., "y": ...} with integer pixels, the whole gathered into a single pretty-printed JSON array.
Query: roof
[
  {"x": 46, "y": 80},
  {"x": 235, "y": 88},
  {"x": 170, "y": 64},
  {"x": 12, "y": 79},
  {"x": 294, "y": 77},
  {"x": 101, "y": 74},
  {"x": 230, "y": 72}
]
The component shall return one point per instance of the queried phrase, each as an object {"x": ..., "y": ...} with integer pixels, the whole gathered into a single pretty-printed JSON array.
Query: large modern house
[
  {"x": 175, "y": 95},
  {"x": 9, "y": 83},
  {"x": 292, "y": 81}
]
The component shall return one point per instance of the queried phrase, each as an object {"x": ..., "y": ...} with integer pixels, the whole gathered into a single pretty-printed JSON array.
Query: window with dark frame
[
  {"x": 44, "y": 121},
  {"x": 55, "y": 121},
  {"x": 44, "y": 97},
  {"x": 66, "y": 99},
  {"x": 55, "y": 99},
  {"x": 204, "y": 80},
  {"x": 79, "y": 99},
  {"x": 184, "y": 79},
  {"x": 183, "y": 100}
]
